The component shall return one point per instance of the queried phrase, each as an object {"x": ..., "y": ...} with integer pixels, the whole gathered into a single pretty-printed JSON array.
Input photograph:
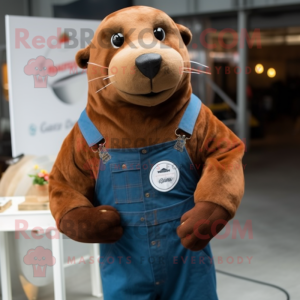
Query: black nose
[{"x": 149, "y": 64}]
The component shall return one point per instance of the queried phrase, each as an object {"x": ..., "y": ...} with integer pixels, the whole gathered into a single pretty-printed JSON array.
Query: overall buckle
[
  {"x": 103, "y": 153},
  {"x": 181, "y": 141}
]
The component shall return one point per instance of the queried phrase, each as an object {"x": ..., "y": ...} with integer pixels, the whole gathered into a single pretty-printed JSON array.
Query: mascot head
[{"x": 137, "y": 56}]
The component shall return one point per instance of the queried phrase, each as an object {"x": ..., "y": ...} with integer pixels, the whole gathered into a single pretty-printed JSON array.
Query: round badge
[{"x": 164, "y": 176}]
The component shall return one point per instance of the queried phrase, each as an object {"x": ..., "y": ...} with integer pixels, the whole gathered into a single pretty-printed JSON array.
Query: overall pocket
[{"x": 127, "y": 182}]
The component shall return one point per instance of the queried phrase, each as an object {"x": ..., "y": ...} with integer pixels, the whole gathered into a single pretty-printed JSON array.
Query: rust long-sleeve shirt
[{"x": 214, "y": 149}]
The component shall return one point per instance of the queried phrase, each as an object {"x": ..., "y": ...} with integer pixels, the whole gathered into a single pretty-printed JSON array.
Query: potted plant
[{"x": 40, "y": 183}]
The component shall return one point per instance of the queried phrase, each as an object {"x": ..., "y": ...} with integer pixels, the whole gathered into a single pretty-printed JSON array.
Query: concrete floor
[{"x": 272, "y": 203}]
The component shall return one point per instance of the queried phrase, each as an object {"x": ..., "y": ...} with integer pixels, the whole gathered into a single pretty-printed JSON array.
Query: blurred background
[{"x": 252, "y": 49}]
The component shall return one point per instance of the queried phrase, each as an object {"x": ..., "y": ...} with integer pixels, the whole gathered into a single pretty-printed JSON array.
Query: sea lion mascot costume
[{"x": 147, "y": 171}]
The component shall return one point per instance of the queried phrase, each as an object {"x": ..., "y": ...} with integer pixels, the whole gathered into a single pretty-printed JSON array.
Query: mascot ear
[
  {"x": 185, "y": 34},
  {"x": 82, "y": 57}
]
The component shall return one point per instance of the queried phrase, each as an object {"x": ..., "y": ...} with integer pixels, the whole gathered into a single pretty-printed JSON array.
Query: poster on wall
[{"x": 47, "y": 91}]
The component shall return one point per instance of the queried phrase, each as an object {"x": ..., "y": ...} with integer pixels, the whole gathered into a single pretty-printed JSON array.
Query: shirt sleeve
[
  {"x": 72, "y": 178},
  {"x": 218, "y": 153}
]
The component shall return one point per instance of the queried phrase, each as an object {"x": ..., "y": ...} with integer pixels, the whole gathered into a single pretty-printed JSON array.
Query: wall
[
  {"x": 11, "y": 7},
  {"x": 42, "y": 8},
  {"x": 179, "y": 7}
]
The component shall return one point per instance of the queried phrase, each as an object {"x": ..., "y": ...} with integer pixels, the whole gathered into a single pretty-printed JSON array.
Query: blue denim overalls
[{"x": 151, "y": 187}]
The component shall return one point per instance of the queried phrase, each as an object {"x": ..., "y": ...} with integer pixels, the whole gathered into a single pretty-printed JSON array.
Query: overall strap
[
  {"x": 187, "y": 123},
  {"x": 190, "y": 115},
  {"x": 88, "y": 130}
]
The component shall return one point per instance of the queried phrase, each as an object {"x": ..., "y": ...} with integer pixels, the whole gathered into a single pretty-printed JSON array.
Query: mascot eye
[
  {"x": 117, "y": 40},
  {"x": 159, "y": 33}
]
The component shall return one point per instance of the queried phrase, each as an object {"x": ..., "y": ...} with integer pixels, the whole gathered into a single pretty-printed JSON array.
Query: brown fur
[{"x": 136, "y": 121}]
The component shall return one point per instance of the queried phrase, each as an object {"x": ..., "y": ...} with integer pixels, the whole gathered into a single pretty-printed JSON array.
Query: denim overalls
[{"x": 151, "y": 187}]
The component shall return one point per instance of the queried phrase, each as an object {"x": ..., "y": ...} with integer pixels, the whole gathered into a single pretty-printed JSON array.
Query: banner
[{"x": 47, "y": 91}]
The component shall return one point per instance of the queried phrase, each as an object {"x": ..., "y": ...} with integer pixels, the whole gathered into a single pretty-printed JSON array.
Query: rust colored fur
[{"x": 214, "y": 150}]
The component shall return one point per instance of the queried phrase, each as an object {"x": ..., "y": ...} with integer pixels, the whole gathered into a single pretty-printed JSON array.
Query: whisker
[
  {"x": 196, "y": 72},
  {"x": 91, "y": 63},
  {"x": 196, "y": 63},
  {"x": 192, "y": 73},
  {"x": 109, "y": 77},
  {"x": 105, "y": 86},
  {"x": 199, "y": 64},
  {"x": 97, "y": 78}
]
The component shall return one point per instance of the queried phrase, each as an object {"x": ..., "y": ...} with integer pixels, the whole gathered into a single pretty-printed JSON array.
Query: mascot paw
[
  {"x": 101, "y": 224},
  {"x": 200, "y": 224}
]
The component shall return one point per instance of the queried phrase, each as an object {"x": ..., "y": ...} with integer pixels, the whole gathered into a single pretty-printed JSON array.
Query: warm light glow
[
  {"x": 271, "y": 72},
  {"x": 259, "y": 68},
  {"x": 4, "y": 81}
]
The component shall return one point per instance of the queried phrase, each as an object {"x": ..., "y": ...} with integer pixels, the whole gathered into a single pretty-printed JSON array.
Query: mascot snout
[{"x": 149, "y": 64}]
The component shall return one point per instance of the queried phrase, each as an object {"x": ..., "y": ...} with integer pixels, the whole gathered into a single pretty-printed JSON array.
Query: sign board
[{"x": 47, "y": 91}]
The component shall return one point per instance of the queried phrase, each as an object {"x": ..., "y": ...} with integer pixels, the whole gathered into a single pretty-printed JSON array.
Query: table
[{"x": 44, "y": 220}]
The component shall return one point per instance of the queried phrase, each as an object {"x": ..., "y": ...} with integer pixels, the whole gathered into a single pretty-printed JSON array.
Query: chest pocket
[{"x": 127, "y": 182}]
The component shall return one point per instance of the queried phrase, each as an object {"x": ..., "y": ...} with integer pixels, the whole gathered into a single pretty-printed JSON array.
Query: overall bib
[{"x": 151, "y": 187}]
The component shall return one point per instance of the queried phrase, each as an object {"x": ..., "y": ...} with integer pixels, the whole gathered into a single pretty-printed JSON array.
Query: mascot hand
[
  {"x": 101, "y": 224},
  {"x": 200, "y": 224}
]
